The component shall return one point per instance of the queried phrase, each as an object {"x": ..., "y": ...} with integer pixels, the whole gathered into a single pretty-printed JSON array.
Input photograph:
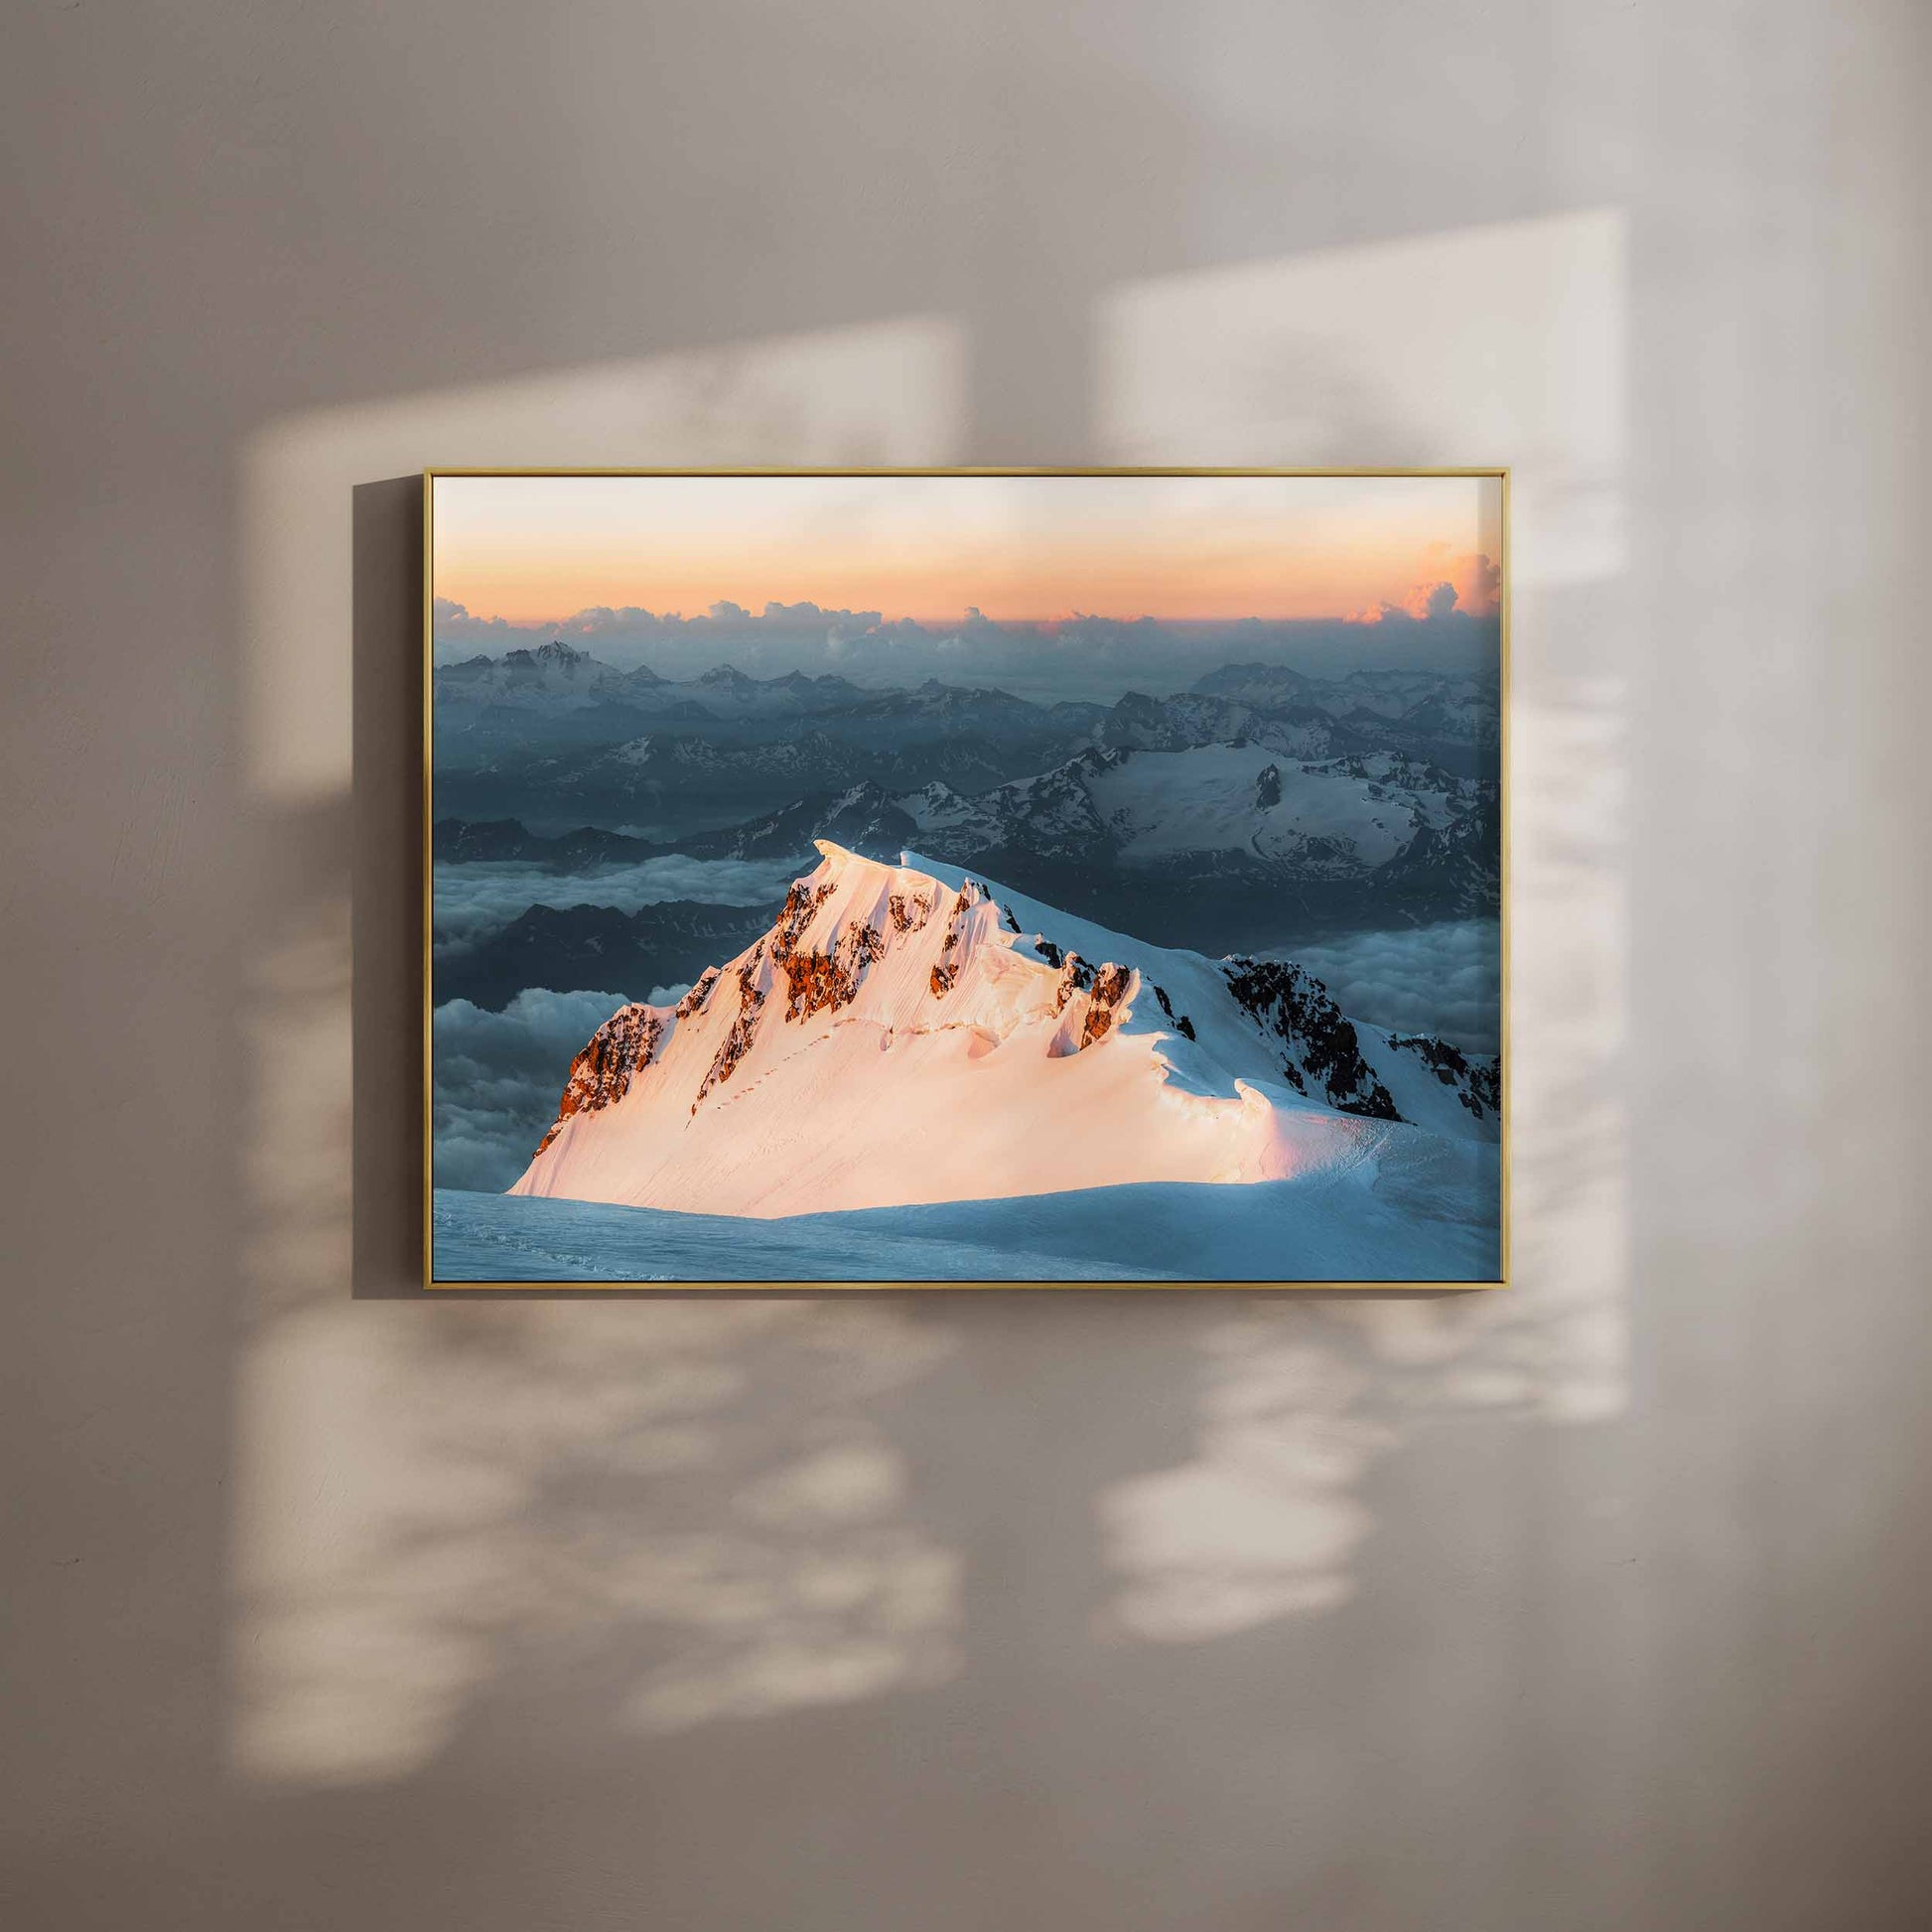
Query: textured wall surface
[{"x": 1597, "y": 1605}]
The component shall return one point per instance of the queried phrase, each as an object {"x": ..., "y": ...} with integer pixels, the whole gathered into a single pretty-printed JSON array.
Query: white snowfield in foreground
[{"x": 894, "y": 1040}]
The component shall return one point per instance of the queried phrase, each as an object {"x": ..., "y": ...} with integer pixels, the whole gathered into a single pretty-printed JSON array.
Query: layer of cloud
[
  {"x": 1078, "y": 655},
  {"x": 1472, "y": 594},
  {"x": 473, "y": 901},
  {"x": 1440, "y": 979},
  {"x": 1426, "y": 604},
  {"x": 1480, "y": 588},
  {"x": 499, "y": 1077}
]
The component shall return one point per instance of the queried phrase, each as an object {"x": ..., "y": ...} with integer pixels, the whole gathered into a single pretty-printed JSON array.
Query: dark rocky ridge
[
  {"x": 574, "y": 948},
  {"x": 1316, "y": 1045}
]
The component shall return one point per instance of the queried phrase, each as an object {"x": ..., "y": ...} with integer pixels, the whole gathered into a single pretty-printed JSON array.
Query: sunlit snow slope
[{"x": 906, "y": 1035}]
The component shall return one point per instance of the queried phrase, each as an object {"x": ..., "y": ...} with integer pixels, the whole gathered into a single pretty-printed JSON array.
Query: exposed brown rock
[
  {"x": 1110, "y": 988},
  {"x": 801, "y": 902},
  {"x": 909, "y": 912},
  {"x": 819, "y": 980},
  {"x": 1076, "y": 976},
  {"x": 603, "y": 1070},
  {"x": 743, "y": 1028},
  {"x": 694, "y": 1000},
  {"x": 946, "y": 972}
]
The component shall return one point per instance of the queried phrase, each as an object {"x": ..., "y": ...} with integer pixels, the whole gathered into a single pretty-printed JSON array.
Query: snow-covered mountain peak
[
  {"x": 838, "y": 856},
  {"x": 907, "y": 1033}
]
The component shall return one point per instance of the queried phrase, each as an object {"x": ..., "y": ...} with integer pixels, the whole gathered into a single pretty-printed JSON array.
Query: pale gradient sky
[{"x": 537, "y": 549}]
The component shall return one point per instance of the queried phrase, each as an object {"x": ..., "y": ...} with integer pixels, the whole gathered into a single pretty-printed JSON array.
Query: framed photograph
[{"x": 966, "y": 878}]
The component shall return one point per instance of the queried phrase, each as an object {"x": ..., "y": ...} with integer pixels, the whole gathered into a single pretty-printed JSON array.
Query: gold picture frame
[{"x": 1500, "y": 475}]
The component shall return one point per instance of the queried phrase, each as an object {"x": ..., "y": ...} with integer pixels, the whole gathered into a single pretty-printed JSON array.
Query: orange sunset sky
[{"x": 538, "y": 549}]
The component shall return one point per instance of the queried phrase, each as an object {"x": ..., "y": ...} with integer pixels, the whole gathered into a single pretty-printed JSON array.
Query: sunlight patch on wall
[
  {"x": 439, "y": 1509},
  {"x": 883, "y": 393},
  {"x": 817, "y": 1589},
  {"x": 1263, "y": 1522},
  {"x": 1495, "y": 344},
  {"x": 1502, "y": 345}
]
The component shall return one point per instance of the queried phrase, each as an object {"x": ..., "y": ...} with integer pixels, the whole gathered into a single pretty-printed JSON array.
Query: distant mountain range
[
  {"x": 554, "y": 737},
  {"x": 1259, "y": 811},
  {"x": 559, "y": 680},
  {"x": 566, "y": 948},
  {"x": 1225, "y": 805},
  {"x": 1223, "y": 845},
  {"x": 1413, "y": 702}
]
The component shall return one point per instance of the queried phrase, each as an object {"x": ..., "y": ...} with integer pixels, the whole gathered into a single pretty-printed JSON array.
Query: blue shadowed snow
[{"x": 1425, "y": 1210}]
